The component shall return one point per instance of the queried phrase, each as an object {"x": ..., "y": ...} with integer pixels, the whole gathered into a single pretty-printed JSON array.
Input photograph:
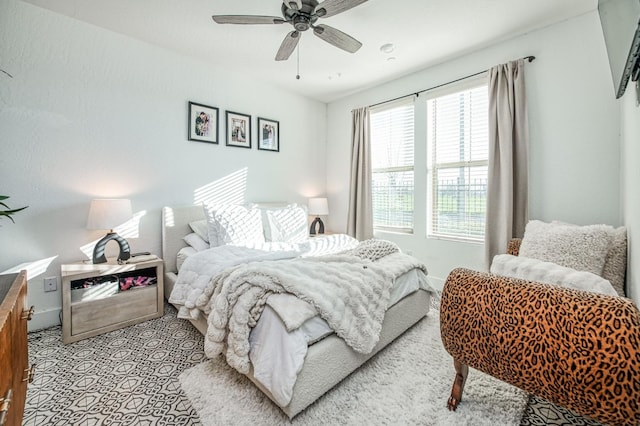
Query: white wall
[
  {"x": 92, "y": 114},
  {"x": 574, "y": 129},
  {"x": 630, "y": 178}
]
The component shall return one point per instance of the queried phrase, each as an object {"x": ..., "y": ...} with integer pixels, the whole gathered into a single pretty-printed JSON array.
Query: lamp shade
[
  {"x": 109, "y": 213},
  {"x": 318, "y": 206}
]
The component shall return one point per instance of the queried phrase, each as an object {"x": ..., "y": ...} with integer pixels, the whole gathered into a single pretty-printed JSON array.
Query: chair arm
[
  {"x": 513, "y": 246},
  {"x": 577, "y": 349}
]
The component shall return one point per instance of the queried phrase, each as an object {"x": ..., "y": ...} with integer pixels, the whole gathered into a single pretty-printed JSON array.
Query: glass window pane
[
  {"x": 392, "y": 137},
  {"x": 460, "y": 202},
  {"x": 392, "y": 196},
  {"x": 458, "y": 141},
  {"x": 392, "y": 148}
]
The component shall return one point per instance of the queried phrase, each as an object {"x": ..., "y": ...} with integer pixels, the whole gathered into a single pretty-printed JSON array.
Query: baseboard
[
  {"x": 44, "y": 319},
  {"x": 436, "y": 282}
]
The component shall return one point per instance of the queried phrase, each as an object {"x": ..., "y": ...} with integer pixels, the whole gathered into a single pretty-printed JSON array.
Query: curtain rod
[{"x": 528, "y": 58}]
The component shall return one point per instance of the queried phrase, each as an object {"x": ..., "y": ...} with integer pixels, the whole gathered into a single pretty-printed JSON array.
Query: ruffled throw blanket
[{"x": 349, "y": 291}]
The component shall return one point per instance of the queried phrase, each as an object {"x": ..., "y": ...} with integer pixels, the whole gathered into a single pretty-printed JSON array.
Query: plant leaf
[{"x": 7, "y": 215}]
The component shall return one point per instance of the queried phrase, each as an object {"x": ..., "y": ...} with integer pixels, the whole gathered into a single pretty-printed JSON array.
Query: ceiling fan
[{"x": 303, "y": 14}]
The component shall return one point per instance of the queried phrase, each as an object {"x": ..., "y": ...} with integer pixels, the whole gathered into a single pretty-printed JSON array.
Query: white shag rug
[{"x": 407, "y": 383}]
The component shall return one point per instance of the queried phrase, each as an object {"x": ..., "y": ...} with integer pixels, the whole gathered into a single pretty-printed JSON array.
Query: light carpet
[{"x": 409, "y": 382}]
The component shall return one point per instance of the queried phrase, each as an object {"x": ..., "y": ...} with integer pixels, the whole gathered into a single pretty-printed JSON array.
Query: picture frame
[
  {"x": 203, "y": 123},
  {"x": 268, "y": 134},
  {"x": 238, "y": 129}
]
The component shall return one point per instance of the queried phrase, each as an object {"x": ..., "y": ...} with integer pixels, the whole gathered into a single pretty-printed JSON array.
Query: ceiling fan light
[{"x": 293, "y": 4}]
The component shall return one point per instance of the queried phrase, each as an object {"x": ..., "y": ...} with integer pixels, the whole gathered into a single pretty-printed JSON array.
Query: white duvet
[{"x": 277, "y": 350}]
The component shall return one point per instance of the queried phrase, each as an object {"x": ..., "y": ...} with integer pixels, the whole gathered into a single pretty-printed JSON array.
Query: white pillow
[
  {"x": 196, "y": 241},
  {"x": 583, "y": 248},
  {"x": 200, "y": 227},
  {"x": 183, "y": 254},
  {"x": 212, "y": 229},
  {"x": 549, "y": 273},
  {"x": 287, "y": 225},
  {"x": 237, "y": 225},
  {"x": 615, "y": 266}
]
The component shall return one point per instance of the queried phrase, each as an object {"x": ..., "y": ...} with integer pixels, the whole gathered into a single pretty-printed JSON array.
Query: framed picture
[
  {"x": 268, "y": 134},
  {"x": 238, "y": 129},
  {"x": 203, "y": 123}
]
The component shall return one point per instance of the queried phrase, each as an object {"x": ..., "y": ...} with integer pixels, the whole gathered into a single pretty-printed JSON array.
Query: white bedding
[
  {"x": 276, "y": 351},
  {"x": 277, "y": 355}
]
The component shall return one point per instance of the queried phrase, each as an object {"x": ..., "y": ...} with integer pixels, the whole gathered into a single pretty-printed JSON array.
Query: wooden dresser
[{"x": 14, "y": 361}]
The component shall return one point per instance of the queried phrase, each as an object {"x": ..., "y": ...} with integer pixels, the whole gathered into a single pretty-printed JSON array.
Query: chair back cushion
[{"x": 599, "y": 249}]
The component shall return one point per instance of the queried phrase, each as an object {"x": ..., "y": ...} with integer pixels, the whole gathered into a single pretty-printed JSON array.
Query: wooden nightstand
[
  {"x": 93, "y": 302},
  {"x": 321, "y": 235}
]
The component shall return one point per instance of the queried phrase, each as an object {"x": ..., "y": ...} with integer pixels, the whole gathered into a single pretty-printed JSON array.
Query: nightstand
[
  {"x": 94, "y": 299},
  {"x": 321, "y": 235}
]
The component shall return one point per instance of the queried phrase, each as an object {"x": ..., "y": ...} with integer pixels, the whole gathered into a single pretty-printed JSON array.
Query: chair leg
[{"x": 462, "y": 371}]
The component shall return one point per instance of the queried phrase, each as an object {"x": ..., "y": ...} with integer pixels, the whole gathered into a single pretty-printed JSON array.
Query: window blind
[
  {"x": 392, "y": 161},
  {"x": 458, "y": 142}
]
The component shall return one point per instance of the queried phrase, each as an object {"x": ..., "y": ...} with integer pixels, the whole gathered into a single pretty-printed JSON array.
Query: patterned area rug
[{"x": 407, "y": 383}]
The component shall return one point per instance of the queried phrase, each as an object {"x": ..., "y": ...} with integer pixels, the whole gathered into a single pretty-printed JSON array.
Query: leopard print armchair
[{"x": 576, "y": 349}]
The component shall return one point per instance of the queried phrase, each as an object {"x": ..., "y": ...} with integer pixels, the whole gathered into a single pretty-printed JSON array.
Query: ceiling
[{"x": 423, "y": 32}]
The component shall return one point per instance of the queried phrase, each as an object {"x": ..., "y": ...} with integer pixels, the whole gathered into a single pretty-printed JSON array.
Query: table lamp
[
  {"x": 318, "y": 207},
  {"x": 107, "y": 214}
]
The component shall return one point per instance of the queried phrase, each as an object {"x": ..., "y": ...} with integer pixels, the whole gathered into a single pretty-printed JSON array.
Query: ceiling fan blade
[
  {"x": 337, "y": 38},
  {"x": 332, "y": 7},
  {"x": 288, "y": 46},
  {"x": 293, "y": 4},
  {"x": 247, "y": 19}
]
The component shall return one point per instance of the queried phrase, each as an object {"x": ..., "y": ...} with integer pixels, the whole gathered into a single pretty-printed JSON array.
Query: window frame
[
  {"x": 433, "y": 168},
  {"x": 405, "y": 101}
]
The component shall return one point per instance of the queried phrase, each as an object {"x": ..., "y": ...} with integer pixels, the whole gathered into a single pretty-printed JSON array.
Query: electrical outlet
[{"x": 50, "y": 284}]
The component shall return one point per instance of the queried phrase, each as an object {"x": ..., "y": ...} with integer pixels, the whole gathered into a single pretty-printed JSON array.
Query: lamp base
[
  {"x": 98, "y": 250},
  {"x": 316, "y": 221}
]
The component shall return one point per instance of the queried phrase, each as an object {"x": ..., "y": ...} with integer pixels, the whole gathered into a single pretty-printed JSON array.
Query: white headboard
[{"x": 175, "y": 225}]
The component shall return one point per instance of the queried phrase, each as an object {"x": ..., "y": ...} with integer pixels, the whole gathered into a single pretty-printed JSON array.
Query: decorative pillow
[
  {"x": 583, "y": 248},
  {"x": 549, "y": 273},
  {"x": 195, "y": 241},
  {"x": 201, "y": 228},
  {"x": 236, "y": 225},
  {"x": 373, "y": 249},
  {"x": 287, "y": 225},
  {"x": 212, "y": 228},
  {"x": 183, "y": 254},
  {"x": 615, "y": 265}
]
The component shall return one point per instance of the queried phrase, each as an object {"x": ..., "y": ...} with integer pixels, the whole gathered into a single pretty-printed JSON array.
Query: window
[
  {"x": 457, "y": 142},
  {"x": 392, "y": 137}
]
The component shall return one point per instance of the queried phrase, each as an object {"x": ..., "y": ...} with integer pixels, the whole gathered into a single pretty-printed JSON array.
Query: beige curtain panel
[
  {"x": 507, "y": 192},
  {"x": 360, "y": 219}
]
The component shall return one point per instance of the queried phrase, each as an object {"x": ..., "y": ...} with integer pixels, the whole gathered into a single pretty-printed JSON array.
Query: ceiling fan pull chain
[{"x": 298, "y": 55}]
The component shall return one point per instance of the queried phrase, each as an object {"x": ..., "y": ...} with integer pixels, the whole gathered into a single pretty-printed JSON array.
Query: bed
[{"x": 329, "y": 359}]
